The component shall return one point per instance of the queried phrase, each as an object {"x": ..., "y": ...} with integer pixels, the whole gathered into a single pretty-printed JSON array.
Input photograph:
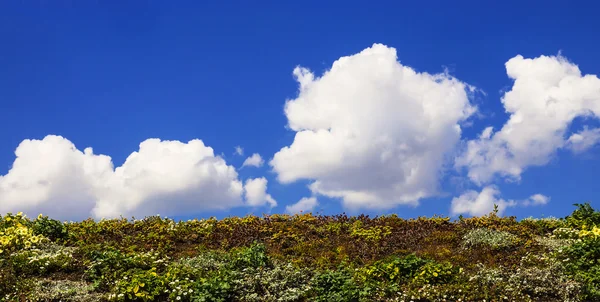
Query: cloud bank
[
  {"x": 53, "y": 177},
  {"x": 370, "y": 131}
]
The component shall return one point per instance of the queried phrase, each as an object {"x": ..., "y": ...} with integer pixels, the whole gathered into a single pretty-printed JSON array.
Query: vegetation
[{"x": 302, "y": 258}]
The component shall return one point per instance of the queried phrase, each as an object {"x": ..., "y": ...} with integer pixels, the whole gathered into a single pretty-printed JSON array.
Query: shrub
[
  {"x": 108, "y": 265},
  {"x": 49, "y": 228},
  {"x": 538, "y": 278},
  {"x": 138, "y": 285},
  {"x": 436, "y": 273},
  {"x": 394, "y": 269},
  {"x": 282, "y": 283},
  {"x": 15, "y": 235},
  {"x": 491, "y": 238},
  {"x": 254, "y": 256},
  {"x": 374, "y": 233},
  {"x": 44, "y": 260},
  {"x": 584, "y": 216},
  {"x": 335, "y": 286},
  {"x": 581, "y": 261},
  {"x": 63, "y": 290},
  {"x": 214, "y": 288}
]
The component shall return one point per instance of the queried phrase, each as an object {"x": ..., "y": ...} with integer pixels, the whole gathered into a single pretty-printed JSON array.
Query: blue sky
[{"x": 111, "y": 74}]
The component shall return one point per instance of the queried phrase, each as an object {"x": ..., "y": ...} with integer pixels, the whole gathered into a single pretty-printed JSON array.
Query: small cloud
[
  {"x": 480, "y": 203},
  {"x": 585, "y": 139},
  {"x": 239, "y": 150},
  {"x": 305, "y": 204},
  {"x": 536, "y": 200},
  {"x": 256, "y": 193},
  {"x": 254, "y": 161}
]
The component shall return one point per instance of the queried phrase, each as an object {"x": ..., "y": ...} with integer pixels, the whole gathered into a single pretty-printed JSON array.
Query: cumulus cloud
[
  {"x": 480, "y": 203},
  {"x": 168, "y": 177},
  {"x": 305, "y": 204},
  {"x": 239, "y": 150},
  {"x": 256, "y": 192},
  {"x": 372, "y": 131},
  {"x": 548, "y": 93},
  {"x": 254, "y": 161},
  {"x": 583, "y": 140},
  {"x": 535, "y": 200}
]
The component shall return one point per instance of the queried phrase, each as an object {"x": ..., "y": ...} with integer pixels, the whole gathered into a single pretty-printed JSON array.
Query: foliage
[{"x": 302, "y": 258}]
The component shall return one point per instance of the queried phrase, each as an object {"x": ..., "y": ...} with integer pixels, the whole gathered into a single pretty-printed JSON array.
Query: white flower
[{"x": 178, "y": 298}]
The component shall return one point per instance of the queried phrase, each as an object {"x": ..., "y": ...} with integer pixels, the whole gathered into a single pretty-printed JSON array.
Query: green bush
[
  {"x": 583, "y": 216},
  {"x": 394, "y": 269},
  {"x": 214, "y": 288},
  {"x": 44, "y": 260},
  {"x": 49, "y": 228},
  {"x": 436, "y": 273},
  {"x": 254, "y": 256},
  {"x": 582, "y": 261},
  {"x": 108, "y": 265},
  {"x": 335, "y": 286},
  {"x": 138, "y": 285}
]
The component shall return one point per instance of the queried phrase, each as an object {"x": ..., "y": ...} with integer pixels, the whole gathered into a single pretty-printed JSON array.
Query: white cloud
[
  {"x": 535, "y": 200},
  {"x": 53, "y": 177},
  {"x": 583, "y": 140},
  {"x": 480, "y": 203},
  {"x": 256, "y": 192},
  {"x": 547, "y": 95},
  {"x": 371, "y": 131},
  {"x": 239, "y": 150},
  {"x": 254, "y": 161},
  {"x": 305, "y": 204}
]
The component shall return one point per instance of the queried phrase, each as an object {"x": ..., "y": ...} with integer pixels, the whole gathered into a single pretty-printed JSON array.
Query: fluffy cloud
[
  {"x": 372, "y": 131},
  {"x": 168, "y": 177},
  {"x": 256, "y": 192},
  {"x": 547, "y": 95},
  {"x": 254, "y": 161},
  {"x": 536, "y": 199},
  {"x": 480, "y": 203},
  {"x": 305, "y": 204},
  {"x": 583, "y": 140}
]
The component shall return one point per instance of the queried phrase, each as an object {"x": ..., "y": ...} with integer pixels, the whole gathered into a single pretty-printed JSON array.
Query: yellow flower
[
  {"x": 20, "y": 214},
  {"x": 40, "y": 216}
]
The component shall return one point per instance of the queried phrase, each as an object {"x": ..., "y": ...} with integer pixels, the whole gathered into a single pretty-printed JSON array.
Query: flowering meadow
[{"x": 302, "y": 258}]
